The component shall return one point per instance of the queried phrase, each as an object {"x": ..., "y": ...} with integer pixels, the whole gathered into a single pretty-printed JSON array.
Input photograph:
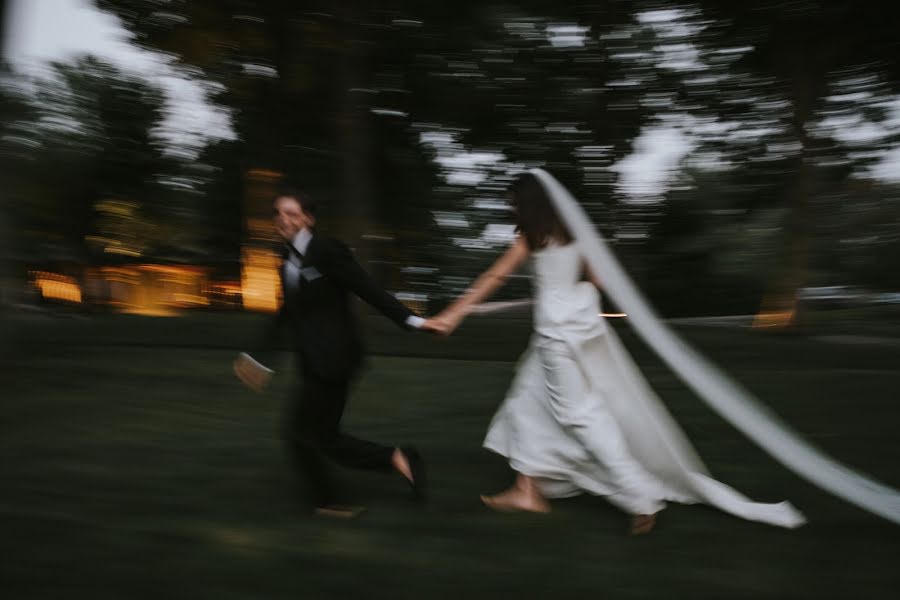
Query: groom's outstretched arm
[
  {"x": 486, "y": 284},
  {"x": 339, "y": 263}
]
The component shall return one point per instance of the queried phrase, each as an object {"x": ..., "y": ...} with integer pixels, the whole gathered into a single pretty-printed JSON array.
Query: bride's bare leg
[{"x": 524, "y": 496}]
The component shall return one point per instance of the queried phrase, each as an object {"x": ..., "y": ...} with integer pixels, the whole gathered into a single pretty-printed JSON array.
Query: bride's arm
[
  {"x": 591, "y": 276},
  {"x": 486, "y": 284}
]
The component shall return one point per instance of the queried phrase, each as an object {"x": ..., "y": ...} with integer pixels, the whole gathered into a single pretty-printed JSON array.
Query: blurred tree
[
  {"x": 94, "y": 130},
  {"x": 7, "y": 109},
  {"x": 292, "y": 72},
  {"x": 806, "y": 51},
  {"x": 223, "y": 199},
  {"x": 726, "y": 77},
  {"x": 497, "y": 86},
  {"x": 338, "y": 93},
  {"x": 14, "y": 107},
  {"x": 404, "y": 112}
]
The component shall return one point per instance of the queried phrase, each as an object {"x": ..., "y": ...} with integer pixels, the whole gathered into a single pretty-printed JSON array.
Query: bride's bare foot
[
  {"x": 642, "y": 524},
  {"x": 516, "y": 500}
]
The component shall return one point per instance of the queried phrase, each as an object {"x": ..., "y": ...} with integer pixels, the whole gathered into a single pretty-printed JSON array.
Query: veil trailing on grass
[{"x": 724, "y": 395}]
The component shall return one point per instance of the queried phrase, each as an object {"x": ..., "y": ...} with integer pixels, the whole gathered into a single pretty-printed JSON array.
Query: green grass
[{"x": 133, "y": 466}]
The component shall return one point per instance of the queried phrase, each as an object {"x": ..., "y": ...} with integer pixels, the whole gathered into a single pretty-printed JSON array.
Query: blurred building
[
  {"x": 121, "y": 278},
  {"x": 121, "y": 275},
  {"x": 260, "y": 285}
]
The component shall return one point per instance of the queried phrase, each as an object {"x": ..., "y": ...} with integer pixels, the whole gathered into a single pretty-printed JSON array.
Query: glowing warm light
[
  {"x": 416, "y": 306},
  {"x": 260, "y": 282},
  {"x": 773, "y": 319},
  {"x": 149, "y": 311},
  {"x": 614, "y": 315},
  {"x": 225, "y": 294},
  {"x": 264, "y": 174},
  {"x": 121, "y": 251},
  {"x": 260, "y": 229},
  {"x": 418, "y": 303},
  {"x": 150, "y": 290},
  {"x": 57, "y": 287},
  {"x": 776, "y": 312},
  {"x": 226, "y": 287},
  {"x": 143, "y": 289}
]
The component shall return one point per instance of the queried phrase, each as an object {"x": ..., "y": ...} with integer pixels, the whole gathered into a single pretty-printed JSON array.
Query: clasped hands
[
  {"x": 257, "y": 377},
  {"x": 443, "y": 324}
]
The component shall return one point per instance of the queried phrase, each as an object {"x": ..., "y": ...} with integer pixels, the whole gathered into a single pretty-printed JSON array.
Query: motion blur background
[
  {"x": 738, "y": 157},
  {"x": 742, "y": 158}
]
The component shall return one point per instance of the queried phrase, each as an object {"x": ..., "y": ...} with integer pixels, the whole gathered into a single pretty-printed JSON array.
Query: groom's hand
[
  {"x": 430, "y": 326},
  {"x": 438, "y": 326},
  {"x": 254, "y": 375}
]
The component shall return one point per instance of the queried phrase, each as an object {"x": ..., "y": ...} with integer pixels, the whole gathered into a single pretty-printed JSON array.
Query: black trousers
[{"x": 314, "y": 437}]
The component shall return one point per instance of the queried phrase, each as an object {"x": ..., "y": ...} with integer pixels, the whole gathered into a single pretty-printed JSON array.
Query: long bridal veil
[{"x": 728, "y": 398}]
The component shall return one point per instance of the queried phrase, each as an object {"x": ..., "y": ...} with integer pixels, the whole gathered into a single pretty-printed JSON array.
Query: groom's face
[{"x": 289, "y": 217}]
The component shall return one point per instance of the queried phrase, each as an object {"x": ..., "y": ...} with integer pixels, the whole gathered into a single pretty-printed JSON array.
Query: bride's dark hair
[{"x": 536, "y": 219}]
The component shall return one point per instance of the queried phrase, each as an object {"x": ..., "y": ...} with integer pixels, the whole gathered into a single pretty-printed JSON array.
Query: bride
[{"x": 579, "y": 415}]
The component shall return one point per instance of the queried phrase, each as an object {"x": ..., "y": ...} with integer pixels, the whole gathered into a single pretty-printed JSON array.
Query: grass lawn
[{"x": 134, "y": 466}]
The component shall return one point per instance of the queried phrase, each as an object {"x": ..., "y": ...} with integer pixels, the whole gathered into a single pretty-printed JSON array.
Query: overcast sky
[{"x": 44, "y": 30}]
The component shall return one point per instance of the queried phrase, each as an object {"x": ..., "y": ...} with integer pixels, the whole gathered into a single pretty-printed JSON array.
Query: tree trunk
[
  {"x": 355, "y": 135},
  {"x": 781, "y": 309}
]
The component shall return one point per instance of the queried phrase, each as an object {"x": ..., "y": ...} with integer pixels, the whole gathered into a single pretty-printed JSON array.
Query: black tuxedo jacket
[{"x": 318, "y": 315}]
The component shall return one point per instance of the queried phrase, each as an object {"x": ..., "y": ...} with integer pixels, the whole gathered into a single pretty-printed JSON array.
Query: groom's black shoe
[{"x": 417, "y": 468}]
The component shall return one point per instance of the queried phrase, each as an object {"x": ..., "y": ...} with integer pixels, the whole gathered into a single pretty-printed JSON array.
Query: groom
[{"x": 318, "y": 275}]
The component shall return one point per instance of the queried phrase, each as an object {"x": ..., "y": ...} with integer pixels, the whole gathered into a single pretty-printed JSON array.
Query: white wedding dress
[{"x": 580, "y": 417}]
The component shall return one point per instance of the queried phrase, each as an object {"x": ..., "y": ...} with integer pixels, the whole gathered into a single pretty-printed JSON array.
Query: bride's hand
[{"x": 443, "y": 324}]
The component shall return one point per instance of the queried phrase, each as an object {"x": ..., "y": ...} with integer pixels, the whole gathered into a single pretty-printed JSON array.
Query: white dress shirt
[
  {"x": 292, "y": 264},
  {"x": 293, "y": 269}
]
